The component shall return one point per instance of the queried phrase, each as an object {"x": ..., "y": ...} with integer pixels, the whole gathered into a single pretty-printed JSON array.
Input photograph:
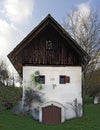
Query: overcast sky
[{"x": 19, "y": 17}]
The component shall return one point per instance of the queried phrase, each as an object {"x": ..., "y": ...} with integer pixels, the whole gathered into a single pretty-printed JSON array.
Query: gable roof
[{"x": 48, "y": 20}]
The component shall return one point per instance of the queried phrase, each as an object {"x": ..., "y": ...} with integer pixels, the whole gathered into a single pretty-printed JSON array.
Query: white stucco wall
[{"x": 62, "y": 93}]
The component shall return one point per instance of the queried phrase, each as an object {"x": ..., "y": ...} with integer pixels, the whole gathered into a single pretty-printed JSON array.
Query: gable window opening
[
  {"x": 49, "y": 45},
  {"x": 63, "y": 79}
]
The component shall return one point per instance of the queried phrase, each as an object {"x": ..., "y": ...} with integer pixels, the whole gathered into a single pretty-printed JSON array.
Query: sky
[{"x": 19, "y": 17}]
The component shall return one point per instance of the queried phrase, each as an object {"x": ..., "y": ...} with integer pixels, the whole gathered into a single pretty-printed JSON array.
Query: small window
[
  {"x": 42, "y": 79},
  {"x": 64, "y": 79}
]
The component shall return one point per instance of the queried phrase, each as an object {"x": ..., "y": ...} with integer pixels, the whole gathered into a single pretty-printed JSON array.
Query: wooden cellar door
[{"x": 51, "y": 115}]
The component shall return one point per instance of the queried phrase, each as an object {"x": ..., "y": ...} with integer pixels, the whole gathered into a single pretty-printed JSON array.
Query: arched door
[{"x": 51, "y": 115}]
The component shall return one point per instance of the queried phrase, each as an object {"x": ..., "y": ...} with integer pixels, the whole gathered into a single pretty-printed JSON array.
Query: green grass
[{"x": 90, "y": 121}]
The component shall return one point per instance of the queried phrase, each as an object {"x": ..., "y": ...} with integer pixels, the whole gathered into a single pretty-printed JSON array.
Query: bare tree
[
  {"x": 77, "y": 107},
  {"x": 85, "y": 29},
  {"x": 15, "y": 79},
  {"x": 4, "y": 73},
  {"x": 94, "y": 85},
  {"x": 19, "y": 79}
]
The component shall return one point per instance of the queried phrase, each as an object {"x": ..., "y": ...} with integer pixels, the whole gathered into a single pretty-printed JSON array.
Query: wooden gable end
[
  {"x": 48, "y": 48},
  {"x": 48, "y": 44}
]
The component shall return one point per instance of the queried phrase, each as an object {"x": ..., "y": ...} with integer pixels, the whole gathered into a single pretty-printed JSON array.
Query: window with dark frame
[
  {"x": 42, "y": 79},
  {"x": 63, "y": 79}
]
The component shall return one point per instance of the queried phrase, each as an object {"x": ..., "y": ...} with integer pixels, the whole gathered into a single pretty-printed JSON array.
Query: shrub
[
  {"x": 9, "y": 96},
  {"x": 88, "y": 100}
]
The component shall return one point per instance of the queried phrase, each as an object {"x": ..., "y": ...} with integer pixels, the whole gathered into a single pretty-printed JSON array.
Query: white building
[{"x": 51, "y": 51}]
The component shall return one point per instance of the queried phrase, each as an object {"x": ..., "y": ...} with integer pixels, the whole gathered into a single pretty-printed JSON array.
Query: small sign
[{"x": 52, "y": 79}]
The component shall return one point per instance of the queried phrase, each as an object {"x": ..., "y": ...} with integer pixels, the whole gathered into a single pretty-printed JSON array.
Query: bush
[
  {"x": 88, "y": 100},
  {"x": 9, "y": 96}
]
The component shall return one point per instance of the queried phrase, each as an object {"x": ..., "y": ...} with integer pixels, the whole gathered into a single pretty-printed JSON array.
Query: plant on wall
[
  {"x": 31, "y": 95},
  {"x": 31, "y": 99},
  {"x": 53, "y": 86},
  {"x": 35, "y": 80},
  {"x": 77, "y": 107}
]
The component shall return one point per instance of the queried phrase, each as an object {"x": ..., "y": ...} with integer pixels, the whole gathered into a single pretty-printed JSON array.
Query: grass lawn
[{"x": 90, "y": 121}]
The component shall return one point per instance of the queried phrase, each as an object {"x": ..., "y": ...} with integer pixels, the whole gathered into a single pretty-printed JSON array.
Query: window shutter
[
  {"x": 67, "y": 79},
  {"x": 63, "y": 79}
]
